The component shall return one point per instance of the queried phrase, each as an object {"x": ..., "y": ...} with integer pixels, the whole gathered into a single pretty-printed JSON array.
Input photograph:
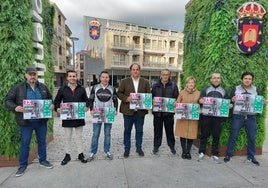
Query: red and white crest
[
  {"x": 250, "y": 25},
  {"x": 94, "y": 29}
]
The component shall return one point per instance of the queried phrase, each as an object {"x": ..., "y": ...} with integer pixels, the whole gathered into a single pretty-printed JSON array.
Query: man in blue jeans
[
  {"x": 29, "y": 89},
  {"x": 133, "y": 84},
  {"x": 240, "y": 119},
  {"x": 102, "y": 96}
]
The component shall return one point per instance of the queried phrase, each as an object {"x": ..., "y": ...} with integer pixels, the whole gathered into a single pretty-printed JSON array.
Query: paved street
[{"x": 162, "y": 170}]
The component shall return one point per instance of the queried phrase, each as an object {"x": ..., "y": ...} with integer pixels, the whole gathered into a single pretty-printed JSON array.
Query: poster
[
  {"x": 103, "y": 115},
  {"x": 140, "y": 101},
  {"x": 37, "y": 109},
  {"x": 72, "y": 110},
  {"x": 217, "y": 107},
  {"x": 163, "y": 104},
  {"x": 248, "y": 104},
  {"x": 187, "y": 111}
]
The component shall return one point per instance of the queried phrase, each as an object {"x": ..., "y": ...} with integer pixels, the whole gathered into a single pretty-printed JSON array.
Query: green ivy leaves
[
  {"x": 210, "y": 46},
  {"x": 16, "y": 49}
]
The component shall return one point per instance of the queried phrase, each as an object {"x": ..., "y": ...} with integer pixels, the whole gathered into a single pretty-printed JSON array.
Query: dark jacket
[
  {"x": 169, "y": 90},
  {"x": 17, "y": 94},
  {"x": 126, "y": 87},
  {"x": 65, "y": 94}
]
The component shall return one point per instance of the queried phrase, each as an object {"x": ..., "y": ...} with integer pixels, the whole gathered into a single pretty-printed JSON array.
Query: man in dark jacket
[
  {"x": 168, "y": 89},
  {"x": 29, "y": 89},
  {"x": 72, "y": 92}
]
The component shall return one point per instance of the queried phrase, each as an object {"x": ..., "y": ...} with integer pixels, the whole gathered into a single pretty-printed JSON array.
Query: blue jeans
[
  {"x": 96, "y": 135},
  {"x": 128, "y": 124},
  {"x": 26, "y": 135},
  {"x": 238, "y": 122}
]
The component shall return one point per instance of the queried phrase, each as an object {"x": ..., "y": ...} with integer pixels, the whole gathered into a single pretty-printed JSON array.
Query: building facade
[
  {"x": 114, "y": 45},
  {"x": 61, "y": 47}
]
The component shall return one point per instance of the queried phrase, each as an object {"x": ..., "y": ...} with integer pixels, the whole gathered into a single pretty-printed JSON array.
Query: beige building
[
  {"x": 61, "y": 47},
  {"x": 115, "y": 45}
]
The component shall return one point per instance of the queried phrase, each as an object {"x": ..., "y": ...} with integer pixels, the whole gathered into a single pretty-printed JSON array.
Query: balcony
[
  {"x": 120, "y": 46},
  {"x": 154, "y": 64},
  {"x": 154, "y": 50},
  {"x": 122, "y": 64}
]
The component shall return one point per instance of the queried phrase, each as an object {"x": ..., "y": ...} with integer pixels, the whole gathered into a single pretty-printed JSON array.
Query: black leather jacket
[
  {"x": 17, "y": 94},
  {"x": 169, "y": 90}
]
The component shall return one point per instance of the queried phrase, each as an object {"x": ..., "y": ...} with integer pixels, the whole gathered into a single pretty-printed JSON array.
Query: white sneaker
[
  {"x": 201, "y": 156},
  {"x": 215, "y": 159},
  {"x": 109, "y": 155},
  {"x": 91, "y": 157}
]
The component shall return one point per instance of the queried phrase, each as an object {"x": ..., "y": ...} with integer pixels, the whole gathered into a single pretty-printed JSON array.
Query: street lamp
[{"x": 74, "y": 39}]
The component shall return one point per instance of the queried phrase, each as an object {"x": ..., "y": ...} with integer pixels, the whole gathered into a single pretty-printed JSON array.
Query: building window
[
  {"x": 154, "y": 42},
  {"x": 147, "y": 43},
  {"x": 180, "y": 45},
  {"x": 59, "y": 19},
  {"x": 160, "y": 45},
  {"x": 172, "y": 44},
  {"x": 171, "y": 60},
  {"x": 116, "y": 40},
  {"x": 60, "y": 50},
  {"x": 123, "y": 40},
  {"x": 135, "y": 58},
  {"x": 81, "y": 57}
]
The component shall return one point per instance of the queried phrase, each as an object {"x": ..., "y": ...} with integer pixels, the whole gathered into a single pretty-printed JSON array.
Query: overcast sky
[{"x": 165, "y": 14}]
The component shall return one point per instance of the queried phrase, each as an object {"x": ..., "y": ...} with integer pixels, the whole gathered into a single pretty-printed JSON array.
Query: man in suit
[{"x": 133, "y": 84}]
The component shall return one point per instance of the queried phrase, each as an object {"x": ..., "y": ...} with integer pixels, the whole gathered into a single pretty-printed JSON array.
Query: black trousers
[
  {"x": 210, "y": 125},
  {"x": 168, "y": 122}
]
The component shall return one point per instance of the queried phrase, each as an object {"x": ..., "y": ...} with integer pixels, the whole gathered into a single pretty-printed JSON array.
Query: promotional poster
[
  {"x": 163, "y": 104},
  {"x": 72, "y": 110},
  {"x": 187, "y": 111},
  {"x": 37, "y": 109},
  {"x": 217, "y": 107},
  {"x": 103, "y": 115},
  {"x": 141, "y": 101},
  {"x": 246, "y": 103}
]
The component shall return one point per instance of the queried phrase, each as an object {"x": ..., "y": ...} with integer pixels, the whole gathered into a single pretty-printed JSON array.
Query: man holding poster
[
  {"x": 133, "y": 84},
  {"x": 72, "y": 92},
  {"x": 211, "y": 124},
  {"x": 165, "y": 87},
  {"x": 31, "y": 89},
  {"x": 102, "y": 96},
  {"x": 243, "y": 118}
]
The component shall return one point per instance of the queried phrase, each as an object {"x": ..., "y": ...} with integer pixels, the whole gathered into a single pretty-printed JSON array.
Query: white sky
[{"x": 165, "y": 14}]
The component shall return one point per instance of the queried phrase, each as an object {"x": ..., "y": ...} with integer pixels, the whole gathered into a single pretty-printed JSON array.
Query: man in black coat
[
  {"x": 164, "y": 88},
  {"x": 72, "y": 91}
]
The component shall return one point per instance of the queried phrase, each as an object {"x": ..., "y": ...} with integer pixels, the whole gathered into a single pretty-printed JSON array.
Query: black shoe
[
  {"x": 126, "y": 153},
  {"x": 188, "y": 156},
  {"x": 183, "y": 155},
  {"x": 227, "y": 159},
  {"x": 173, "y": 151},
  {"x": 254, "y": 161},
  {"x": 20, "y": 171},
  {"x": 66, "y": 159},
  {"x": 81, "y": 157},
  {"x": 140, "y": 152},
  {"x": 155, "y": 150}
]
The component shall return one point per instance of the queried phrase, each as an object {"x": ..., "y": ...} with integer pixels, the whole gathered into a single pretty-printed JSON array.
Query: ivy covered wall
[
  {"x": 16, "y": 53},
  {"x": 210, "y": 34}
]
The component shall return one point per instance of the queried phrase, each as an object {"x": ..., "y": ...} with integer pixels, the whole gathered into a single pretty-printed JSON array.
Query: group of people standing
[{"x": 105, "y": 95}]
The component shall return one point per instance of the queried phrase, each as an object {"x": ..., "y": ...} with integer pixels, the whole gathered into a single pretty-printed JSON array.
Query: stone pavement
[{"x": 161, "y": 170}]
